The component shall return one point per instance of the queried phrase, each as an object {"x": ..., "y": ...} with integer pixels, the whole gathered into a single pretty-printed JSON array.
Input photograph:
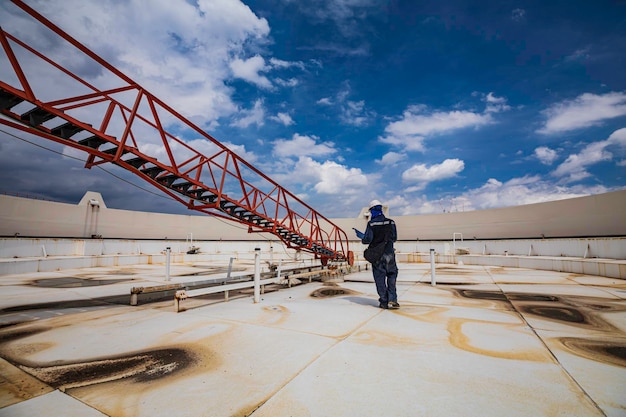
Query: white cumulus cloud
[
  {"x": 423, "y": 174},
  {"x": 354, "y": 113},
  {"x": 255, "y": 115},
  {"x": 330, "y": 177},
  {"x": 574, "y": 168},
  {"x": 250, "y": 70},
  {"x": 283, "y": 118},
  {"x": 584, "y": 111},
  {"x": 529, "y": 189},
  {"x": 301, "y": 145},
  {"x": 326, "y": 101},
  {"x": 279, "y": 63},
  {"x": 417, "y": 123},
  {"x": 496, "y": 104},
  {"x": 546, "y": 155},
  {"x": 391, "y": 158},
  {"x": 350, "y": 112}
]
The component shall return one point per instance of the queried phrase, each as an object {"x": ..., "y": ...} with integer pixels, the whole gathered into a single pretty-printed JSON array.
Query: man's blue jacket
[{"x": 378, "y": 229}]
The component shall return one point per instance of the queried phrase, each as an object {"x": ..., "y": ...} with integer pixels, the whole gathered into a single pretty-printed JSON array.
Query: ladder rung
[
  {"x": 152, "y": 172},
  {"x": 183, "y": 186},
  {"x": 93, "y": 142},
  {"x": 37, "y": 116},
  {"x": 210, "y": 197},
  {"x": 113, "y": 151},
  {"x": 136, "y": 162},
  {"x": 197, "y": 192},
  {"x": 8, "y": 100},
  {"x": 168, "y": 180},
  {"x": 66, "y": 130}
]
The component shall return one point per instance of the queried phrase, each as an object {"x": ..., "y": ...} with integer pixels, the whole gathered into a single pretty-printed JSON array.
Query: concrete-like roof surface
[{"x": 485, "y": 341}]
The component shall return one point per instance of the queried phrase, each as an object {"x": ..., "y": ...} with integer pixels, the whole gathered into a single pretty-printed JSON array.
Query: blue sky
[{"x": 428, "y": 106}]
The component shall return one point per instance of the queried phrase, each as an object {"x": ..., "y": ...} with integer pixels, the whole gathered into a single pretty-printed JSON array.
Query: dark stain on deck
[
  {"x": 142, "y": 367},
  {"x": 608, "y": 351}
]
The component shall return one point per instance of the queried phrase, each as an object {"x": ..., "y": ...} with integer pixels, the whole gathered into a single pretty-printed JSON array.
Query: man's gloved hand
[{"x": 360, "y": 235}]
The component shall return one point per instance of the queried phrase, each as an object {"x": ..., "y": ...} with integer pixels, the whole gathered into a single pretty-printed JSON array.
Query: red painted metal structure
[{"x": 125, "y": 125}]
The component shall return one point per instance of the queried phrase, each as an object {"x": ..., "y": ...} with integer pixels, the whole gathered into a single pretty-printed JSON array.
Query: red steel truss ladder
[{"x": 126, "y": 125}]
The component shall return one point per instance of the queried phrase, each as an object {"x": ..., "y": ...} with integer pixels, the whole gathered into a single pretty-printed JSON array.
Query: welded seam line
[
  {"x": 545, "y": 345},
  {"x": 323, "y": 353}
]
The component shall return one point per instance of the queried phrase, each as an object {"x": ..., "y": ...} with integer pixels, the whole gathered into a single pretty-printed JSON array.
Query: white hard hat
[{"x": 375, "y": 203}]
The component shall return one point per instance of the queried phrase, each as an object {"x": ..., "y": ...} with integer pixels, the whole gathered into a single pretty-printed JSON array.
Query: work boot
[
  {"x": 383, "y": 306},
  {"x": 394, "y": 305}
]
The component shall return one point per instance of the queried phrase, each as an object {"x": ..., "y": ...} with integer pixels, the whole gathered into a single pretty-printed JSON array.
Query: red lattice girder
[{"x": 128, "y": 126}]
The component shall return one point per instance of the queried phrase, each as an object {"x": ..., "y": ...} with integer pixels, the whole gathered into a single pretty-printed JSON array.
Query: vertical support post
[
  {"x": 168, "y": 251},
  {"x": 43, "y": 249},
  {"x": 454, "y": 241},
  {"x": 257, "y": 275},
  {"x": 271, "y": 254},
  {"x": 432, "y": 268},
  {"x": 230, "y": 268},
  {"x": 278, "y": 270},
  {"x": 586, "y": 251}
]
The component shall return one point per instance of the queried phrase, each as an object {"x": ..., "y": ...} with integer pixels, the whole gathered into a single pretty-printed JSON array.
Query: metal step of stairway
[
  {"x": 92, "y": 142},
  {"x": 168, "y": 180},
  {"x": 182, "y": 187},
  {"x": 199, "y": 194},
  {"x": 66, "y": 130},
  {"x": 152, "y": 172},
  {"x": 136, "y": 162},
  {"x": 8, "y": 100},
  {"x": 113, "y": 151},
  {"x": 36, "y": 116}
]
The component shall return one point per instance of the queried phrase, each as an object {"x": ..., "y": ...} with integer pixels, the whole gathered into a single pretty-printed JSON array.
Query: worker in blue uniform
[{"x": 381, "y": 232}]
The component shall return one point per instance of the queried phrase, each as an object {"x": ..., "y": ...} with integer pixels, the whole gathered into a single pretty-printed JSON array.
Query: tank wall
[{"x": 592, "y": 216}]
